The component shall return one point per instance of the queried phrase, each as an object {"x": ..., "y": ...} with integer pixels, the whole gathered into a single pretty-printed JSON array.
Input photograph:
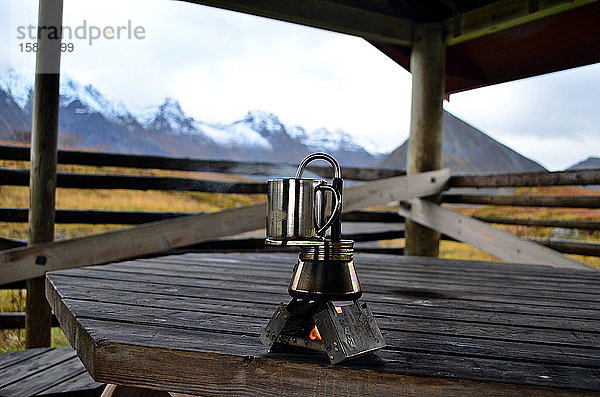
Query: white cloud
[
  {"x": 553, "y": 152},
  {"x": 220, "y": 64}
]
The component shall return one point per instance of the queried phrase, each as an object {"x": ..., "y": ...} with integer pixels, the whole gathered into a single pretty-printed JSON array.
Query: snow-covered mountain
[{"x": 88, "y": 119}]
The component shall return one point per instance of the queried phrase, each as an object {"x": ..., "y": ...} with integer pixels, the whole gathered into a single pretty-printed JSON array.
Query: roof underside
[
  {"x": 558, "y": 42},
  {"x": 488, "y": 41}
]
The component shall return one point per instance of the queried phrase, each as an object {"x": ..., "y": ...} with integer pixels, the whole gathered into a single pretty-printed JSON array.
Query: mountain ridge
[
  {"x": 467, "y": 150},
  {"x": 90, "y": 120},
  {"x": 589, "y": 163}
]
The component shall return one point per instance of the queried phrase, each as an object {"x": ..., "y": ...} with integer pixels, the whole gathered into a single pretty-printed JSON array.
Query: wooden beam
[
  {"x": 16, "y": 320},
  {"x": 95, "y": 217},
  {"x": 394, "y": 189},
  {"x": 427, "y": 64},
  {"x": 502, "y": 15},
  {"x": 136, "y": 182},
  {"x": 523, "y": 200},
  {"x": 544, "y": 178},
  {"x": 576, "y": 247},
  {"x": 478, "y": 234},
  {"x": 42, "y": 183},
  {"x": 329, "y": 15},
  {"x": 24, "y": 263}
]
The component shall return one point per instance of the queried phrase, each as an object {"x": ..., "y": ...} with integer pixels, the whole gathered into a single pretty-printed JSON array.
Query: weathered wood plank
[
  {"x": 524, "y": 200},
  {"x": 389, "y": 263},
  {"x": 165, "y": 291},
  {"x": 395, "y": 189},
  {"x": 53, "y": 376},
  {"x": 386, "y": 268},
  {"x": 220, "y": 288},
  {"x": 34, "y": 365},
  {"x": 277, "y": 276},
  {"x": 264, "y": 310},
  {"x": 545, "y": 178},
  {"x": 15, "y": 357},
  {"x": 380, "y": 276},
  {"x": 507, "y": 268},
  {"x": 81, "y": 385},
  {"x": 374, "y": 261},
  {"x": 25, "y": 263},
  {"x": 471, "y": 270},
  {"x": 496, "y": 242}
]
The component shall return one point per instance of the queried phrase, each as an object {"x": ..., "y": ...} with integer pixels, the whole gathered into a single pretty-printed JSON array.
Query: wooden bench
[{"x": 45, "y": 372}]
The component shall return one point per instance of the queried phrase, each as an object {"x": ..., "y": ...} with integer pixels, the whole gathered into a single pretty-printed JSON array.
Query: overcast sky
[{"x": 221, "y": 64}]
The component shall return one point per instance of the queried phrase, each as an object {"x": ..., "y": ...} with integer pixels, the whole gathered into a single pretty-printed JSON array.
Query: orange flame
[{"x": 314, "y": 334}]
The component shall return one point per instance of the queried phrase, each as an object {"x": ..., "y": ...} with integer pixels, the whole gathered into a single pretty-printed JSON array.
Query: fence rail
[
  {"x": 578, "y": 177},
  {"x": 524, "y": 200},
  {"x": 185, "y": 164},
  {"x": 20, "y": 177},
  {"x": 95, "y": 217},
  {"x": 562, "y": 223},
  {"x": 134, "y": 182}
]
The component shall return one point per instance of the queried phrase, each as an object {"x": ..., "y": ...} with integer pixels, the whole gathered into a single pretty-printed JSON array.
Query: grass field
[{"x": 14, "y": 196}]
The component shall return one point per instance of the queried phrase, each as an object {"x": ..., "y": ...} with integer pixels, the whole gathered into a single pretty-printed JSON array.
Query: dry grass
[
  {"x": 118, "y": 200},
  {"x": 13, "y": 300}
]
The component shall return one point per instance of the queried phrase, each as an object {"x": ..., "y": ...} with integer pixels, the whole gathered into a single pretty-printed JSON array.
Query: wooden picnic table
[{"x": 190, "y": 324}]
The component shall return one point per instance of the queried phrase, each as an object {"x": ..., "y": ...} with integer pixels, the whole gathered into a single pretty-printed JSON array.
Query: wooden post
[
  {"x": 42, "y": 181},
  {"x": 427, "y": 63}
]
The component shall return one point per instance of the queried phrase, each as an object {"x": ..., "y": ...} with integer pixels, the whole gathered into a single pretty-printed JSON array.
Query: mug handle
[{"x": 336, "y": 208}]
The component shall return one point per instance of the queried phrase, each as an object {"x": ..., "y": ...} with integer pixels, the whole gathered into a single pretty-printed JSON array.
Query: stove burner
[
  {"x": 323, "y": 274},
  {"x": 343, "y": 332}
]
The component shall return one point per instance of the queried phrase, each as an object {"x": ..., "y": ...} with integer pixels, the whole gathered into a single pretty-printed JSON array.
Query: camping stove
[{"x": 325, "y": 313}]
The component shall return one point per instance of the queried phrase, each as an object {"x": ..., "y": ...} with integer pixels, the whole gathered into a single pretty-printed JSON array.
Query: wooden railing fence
[{"x": 20, "y": 177}]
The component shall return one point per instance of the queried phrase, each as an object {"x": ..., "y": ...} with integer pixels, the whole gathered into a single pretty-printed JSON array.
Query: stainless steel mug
[{"x": 295, "y": 204}]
